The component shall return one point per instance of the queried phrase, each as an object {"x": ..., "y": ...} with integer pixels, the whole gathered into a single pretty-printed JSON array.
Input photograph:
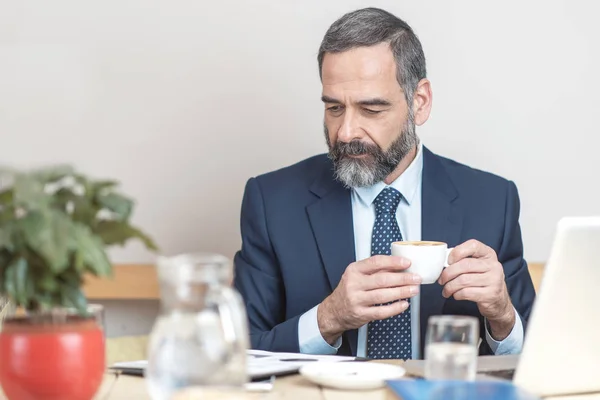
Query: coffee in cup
[{"x": 428, "y": 258}]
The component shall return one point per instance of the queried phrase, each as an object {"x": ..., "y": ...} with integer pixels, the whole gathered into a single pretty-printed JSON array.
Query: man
[{"x": 313, "y": 279}]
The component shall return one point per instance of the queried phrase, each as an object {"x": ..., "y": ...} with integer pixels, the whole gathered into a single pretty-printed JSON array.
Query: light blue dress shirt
[{"x": 409, "y": 220}]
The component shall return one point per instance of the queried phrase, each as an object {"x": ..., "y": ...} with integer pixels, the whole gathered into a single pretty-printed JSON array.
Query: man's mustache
[{"x": 353, "y": 148}]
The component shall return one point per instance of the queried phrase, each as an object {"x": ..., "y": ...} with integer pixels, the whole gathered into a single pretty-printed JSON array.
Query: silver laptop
[{"x": 561, "y": 352}]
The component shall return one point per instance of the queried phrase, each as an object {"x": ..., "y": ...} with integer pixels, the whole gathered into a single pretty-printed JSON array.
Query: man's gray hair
[{"x": 371, "y": 26}]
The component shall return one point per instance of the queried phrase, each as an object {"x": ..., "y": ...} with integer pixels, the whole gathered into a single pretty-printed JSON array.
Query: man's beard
[{"x": 376, "y": 165}]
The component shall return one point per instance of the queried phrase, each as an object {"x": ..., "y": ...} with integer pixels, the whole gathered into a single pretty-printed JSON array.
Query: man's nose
[{"x": 349, "y": 129}]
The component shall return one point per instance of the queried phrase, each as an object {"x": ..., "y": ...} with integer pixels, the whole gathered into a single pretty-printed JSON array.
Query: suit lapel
[
  {"x": 441, "y": 217},
  {"x": 441, "y": 221},
  {"x": 332, "y": 224}
]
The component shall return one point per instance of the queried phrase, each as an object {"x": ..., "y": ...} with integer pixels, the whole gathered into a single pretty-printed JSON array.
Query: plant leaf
[
  {"x": 82, "y": 208},
  {"x": 71, "y": 278},
  {"x": 86, "y": 184},
  {"x": 78, "y": 261},
  {"x": 91, "y": 250},
  {"x": 6, "y": 214},
  {"x": 118, "y": 204},
  {"x": 46, "y": 300},
  {"x": 48, "y": 283},
  {"x": 6, "y": 232},
  {"x": 7, "y": 209},
  {"x": 16, "y": 280},
  {"x": 29, "y": 193},
  {"x": 72, "y": 296},
  {"x": 62, "y": 197},
  {"x": 10, "y": 282},
  {"x": 53, "y": 173},
  {"x": 48, "y": 234},
  {"x": 6, "y": 197},
  {"x": 4, "y": 260},
  {"x": 21, "y": 268},
  {"x": 112, "y": 232},
  {"x": 118, "y": 232},
  {"x": 99, "y": 186},
  {"x": 84, "y": 211}
]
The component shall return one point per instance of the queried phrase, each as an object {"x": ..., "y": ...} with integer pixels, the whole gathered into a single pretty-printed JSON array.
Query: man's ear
[{"x": 422, "y": 99}]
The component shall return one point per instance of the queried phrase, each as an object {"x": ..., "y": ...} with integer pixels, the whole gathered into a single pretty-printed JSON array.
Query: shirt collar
[{"x": 406, "y": 183}]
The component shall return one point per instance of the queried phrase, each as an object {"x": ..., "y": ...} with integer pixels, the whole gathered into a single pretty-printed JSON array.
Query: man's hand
[
  {"x": 475, "y": 274},
  {"x": 363, "y": 293}
]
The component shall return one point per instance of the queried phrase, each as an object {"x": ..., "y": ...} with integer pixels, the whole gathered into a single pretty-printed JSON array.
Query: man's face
[{"x": 367, "y": 121}]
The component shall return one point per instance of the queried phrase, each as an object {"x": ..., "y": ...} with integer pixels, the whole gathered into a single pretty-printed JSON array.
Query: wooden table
[
  {"x": 293, "y": 387},
  {"x": 288, "y": 388}
]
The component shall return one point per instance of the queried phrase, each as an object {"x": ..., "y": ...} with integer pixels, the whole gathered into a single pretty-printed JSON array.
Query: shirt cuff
[
  {"x": 310, "y": 339},
  {"x": 512, "y": 344}
]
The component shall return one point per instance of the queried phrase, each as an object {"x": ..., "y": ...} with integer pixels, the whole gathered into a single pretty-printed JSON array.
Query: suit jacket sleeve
[
  {"x": 258, "y": 279},
  {"x": 510, "y": 255}
]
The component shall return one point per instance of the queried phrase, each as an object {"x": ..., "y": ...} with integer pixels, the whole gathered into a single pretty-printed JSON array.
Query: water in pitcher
[
  {"x": 447, "y": 360},
  {"x": 200, "y": 338},
  {"x": 190, "y": 350}
]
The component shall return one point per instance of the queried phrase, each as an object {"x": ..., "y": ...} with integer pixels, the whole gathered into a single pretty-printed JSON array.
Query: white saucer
[{"x": 352, "y": 374}]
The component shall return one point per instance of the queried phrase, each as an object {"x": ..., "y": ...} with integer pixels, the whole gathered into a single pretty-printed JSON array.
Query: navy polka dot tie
[{"x": 389, "y": 338}]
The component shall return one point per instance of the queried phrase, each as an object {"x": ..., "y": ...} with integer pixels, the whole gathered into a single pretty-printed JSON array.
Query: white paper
[
  {"x": 261, "y": 363},
  {"x": 140, "y": 364}
]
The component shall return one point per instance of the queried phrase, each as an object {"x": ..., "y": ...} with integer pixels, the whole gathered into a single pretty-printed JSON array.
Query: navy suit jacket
[{"x": 297, "y": 240}]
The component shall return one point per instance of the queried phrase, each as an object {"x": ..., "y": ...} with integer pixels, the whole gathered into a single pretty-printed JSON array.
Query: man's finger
[
  {"x": 384, "y": 279},
  {"x": 466, "y": 281},
  {"x": 387, "y": 295},
  {"x": 389, "y": 310},
  {"x": 382, "y": 263},
  {"x": 465, "y": 266},
  {"x": 475, "y": 294},
  {"x": 470, "y": 248}
]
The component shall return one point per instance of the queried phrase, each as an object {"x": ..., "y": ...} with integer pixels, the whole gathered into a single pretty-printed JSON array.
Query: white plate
[{"x": 351, "y": 375}]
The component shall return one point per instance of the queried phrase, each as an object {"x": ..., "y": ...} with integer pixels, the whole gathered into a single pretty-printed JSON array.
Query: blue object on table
[{"x": 458, "y": 390}]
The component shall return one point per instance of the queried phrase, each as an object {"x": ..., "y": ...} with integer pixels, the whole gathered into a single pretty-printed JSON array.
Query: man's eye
[
  {"x": 369, "y": 111},
  {"x": 335, "y": 110}
]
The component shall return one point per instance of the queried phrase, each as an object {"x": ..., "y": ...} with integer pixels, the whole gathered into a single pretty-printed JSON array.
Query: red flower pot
[{"x": 51, "y": 361}]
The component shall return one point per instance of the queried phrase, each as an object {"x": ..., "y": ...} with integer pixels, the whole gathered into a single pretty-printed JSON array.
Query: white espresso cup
[{"x": 427, "y": 259}]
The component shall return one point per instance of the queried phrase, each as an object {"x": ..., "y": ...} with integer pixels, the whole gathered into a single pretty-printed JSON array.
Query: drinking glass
[
  {"x": 97, "y": 311},
  {"x": 451, "y": 348}
]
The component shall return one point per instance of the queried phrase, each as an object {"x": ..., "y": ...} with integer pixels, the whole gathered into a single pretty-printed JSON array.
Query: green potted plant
[{"x": 55, "y": 227}]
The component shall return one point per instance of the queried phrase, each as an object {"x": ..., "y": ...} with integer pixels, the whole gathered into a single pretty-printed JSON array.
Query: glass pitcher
[{"x": 201, "y": 335}]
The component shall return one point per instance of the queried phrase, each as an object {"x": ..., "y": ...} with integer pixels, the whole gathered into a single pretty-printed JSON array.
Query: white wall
[{"x": 185, "y": 100}]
